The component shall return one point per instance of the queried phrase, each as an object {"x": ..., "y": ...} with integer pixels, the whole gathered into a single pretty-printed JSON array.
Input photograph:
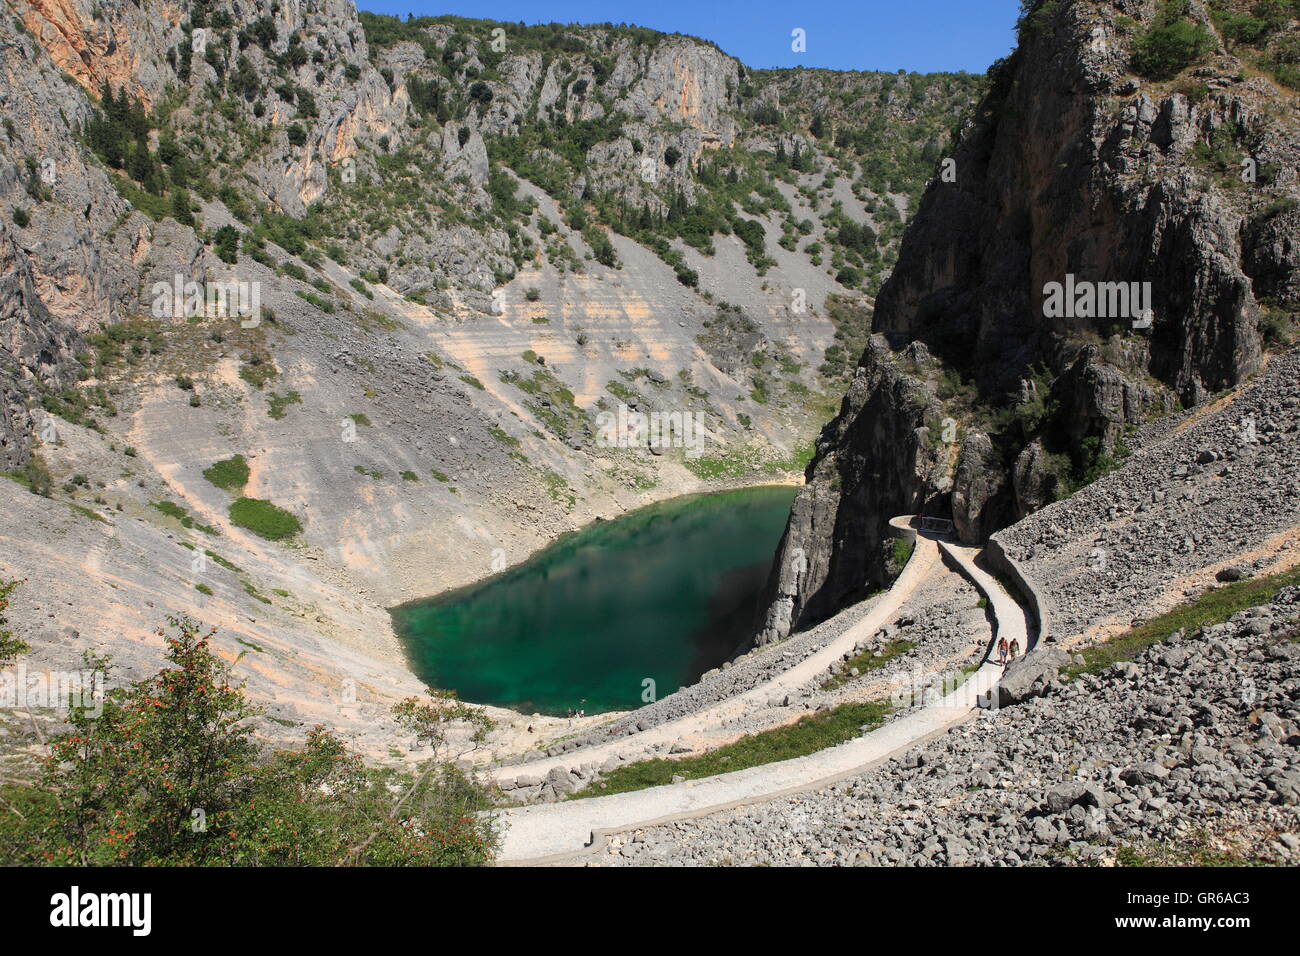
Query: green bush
[
  {"x": 264, "y": 519},
  {"x": 1170, "y": 46},
  {"x": 126, "y": 787},
  {"x": 230, "y": 474},
  {"x": 10, "y": 646}
]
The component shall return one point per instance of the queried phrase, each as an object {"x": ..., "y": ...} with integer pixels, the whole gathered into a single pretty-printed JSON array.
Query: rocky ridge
[{"x": 1074, "y": 165}]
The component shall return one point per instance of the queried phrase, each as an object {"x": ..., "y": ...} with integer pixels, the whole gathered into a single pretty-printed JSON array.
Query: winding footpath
[
  {"x": 924, "y": 561},
  {"x": 548, "y": 833}
]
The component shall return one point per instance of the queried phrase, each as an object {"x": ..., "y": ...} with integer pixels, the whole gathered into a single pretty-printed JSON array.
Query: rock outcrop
[
  {"x": 1072, "y": 170},
  {"x": 874, "y": 461}
]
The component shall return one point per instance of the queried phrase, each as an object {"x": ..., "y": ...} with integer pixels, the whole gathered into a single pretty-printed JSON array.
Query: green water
[{"x": 666, "y": 593}]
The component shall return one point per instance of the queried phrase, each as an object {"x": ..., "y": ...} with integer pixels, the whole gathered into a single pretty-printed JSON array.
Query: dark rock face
[
  {"x": 876, "y": 460},
  {"x": 1068, "y": 168},
  {"x": 33, "y": 343}
]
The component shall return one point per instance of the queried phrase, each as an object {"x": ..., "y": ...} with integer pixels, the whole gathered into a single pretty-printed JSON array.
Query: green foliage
[
  {"x": 169, "y": 774},
  {"x": 226, "y": 244},
  {"x": 173, "y": 510},
  {"x": 10, "y": 646},
  {"x": 230, "y": 474},
  {"x": 1213, "y": 607},
  {"x": 34, "y": 475},
  {"x": 866, "y": 661},
  {"x": 258, "y": 370},
  {"x": 852, "y": 320},
  {"x": 264, "y": 519},
  {"x": 900, "y": 553},
  {"x": 278, "y": 404},
  {"x": 1171, "y": 44},
  {"x": 808, "y": 735}
]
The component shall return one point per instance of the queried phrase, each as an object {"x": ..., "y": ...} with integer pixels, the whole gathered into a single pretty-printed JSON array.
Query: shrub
[
  {"x": 230, "y": 474},
  {"x": 10, "y": 646},
  {"x": 226, "y": 244},
  {"x": 264, "y": 519},
  {"x": 121, "y": 788},
  {"x": 21, "y": 219},
  {"x": 1170, "y": 45}
]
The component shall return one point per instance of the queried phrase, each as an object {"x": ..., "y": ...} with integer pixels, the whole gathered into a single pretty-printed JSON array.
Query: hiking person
[
  {"x": 1014, "y": 649},
  {"x": 1002, "y": 651}
]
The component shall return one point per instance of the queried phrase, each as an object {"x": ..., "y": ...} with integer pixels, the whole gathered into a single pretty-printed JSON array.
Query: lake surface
[{"x": 665, "y": 593}]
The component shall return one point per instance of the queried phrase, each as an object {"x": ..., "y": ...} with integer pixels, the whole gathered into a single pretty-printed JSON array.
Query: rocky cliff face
[
  {"x": 1073, "y": 165},
  {"x": 876, "y": 460},
  {"x": 468, "y": 239}
]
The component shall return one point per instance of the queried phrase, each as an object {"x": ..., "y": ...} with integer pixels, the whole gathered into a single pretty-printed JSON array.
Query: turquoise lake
[{"x": 663, "y": 593}]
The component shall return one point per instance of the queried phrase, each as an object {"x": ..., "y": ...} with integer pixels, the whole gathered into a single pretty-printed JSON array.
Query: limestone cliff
[{"x": 1091, "y": 159}]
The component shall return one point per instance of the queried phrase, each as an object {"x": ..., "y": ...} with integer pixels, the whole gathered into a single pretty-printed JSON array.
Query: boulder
[{"x": 1029, "y": 676}]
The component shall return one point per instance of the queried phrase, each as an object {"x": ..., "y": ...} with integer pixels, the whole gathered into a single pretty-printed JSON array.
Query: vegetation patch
[
  {"x": 866, "y": 661},
  {"x": 276, "y": 403},
  {"x": 229, "y": 474},
  {"x": 264, "y": 519},
  {"x": 1213, "y": 607},
  {"x": 173, "y": 510},
  {"x": 121, "y": 785},
  {"x": 807, "y": 735}
]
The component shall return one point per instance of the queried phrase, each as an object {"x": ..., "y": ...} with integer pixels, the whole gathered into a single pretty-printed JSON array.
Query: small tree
[
  {"x": 130, "y": 783},
  {"x": 10, "y": 646},
  {"x": 226, "y": 244},
  {"x": 168, "y": 774}
]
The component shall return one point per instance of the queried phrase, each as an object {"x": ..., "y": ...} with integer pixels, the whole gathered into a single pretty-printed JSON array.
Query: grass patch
[
  {"x": 361, "y": 419},
  {"x": 228, "y": 565},
  {"x": 410, "y": 476},
  {"x": 1212, "y": 607},
  {"x": 865, "y": 661},
  {"x": 1194, "y": 850},
  {"x": 229, "y": 474},
  {"x": 88, "y": 513},
  {"x": 805, "y": 736},
  {"x": 264, "y": 519},
  {"x": 257, "y": 371},
  {"x": 203, "y": 589},
  {"x": 253, "y": 593},
  {"x": 743, "y": 462},
  {"x": 173, "y": 510},
  {"x": 438, "y": 476},
  {"x": 278, "y": 403},
  {"x": 900, "y": 554},
  {"x": 500, "y": 434}
]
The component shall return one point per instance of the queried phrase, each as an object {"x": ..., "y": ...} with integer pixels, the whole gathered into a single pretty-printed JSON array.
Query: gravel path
[{"x": 550, "y": 832}]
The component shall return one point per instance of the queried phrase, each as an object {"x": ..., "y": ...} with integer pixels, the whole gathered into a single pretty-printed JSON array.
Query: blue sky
[{"x": 920, "y": 35}]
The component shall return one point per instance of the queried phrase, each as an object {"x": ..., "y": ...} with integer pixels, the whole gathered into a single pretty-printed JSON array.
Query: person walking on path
[
  {"x": 1014, "y": 649},
  {"x": 1002, "y": 651}
]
